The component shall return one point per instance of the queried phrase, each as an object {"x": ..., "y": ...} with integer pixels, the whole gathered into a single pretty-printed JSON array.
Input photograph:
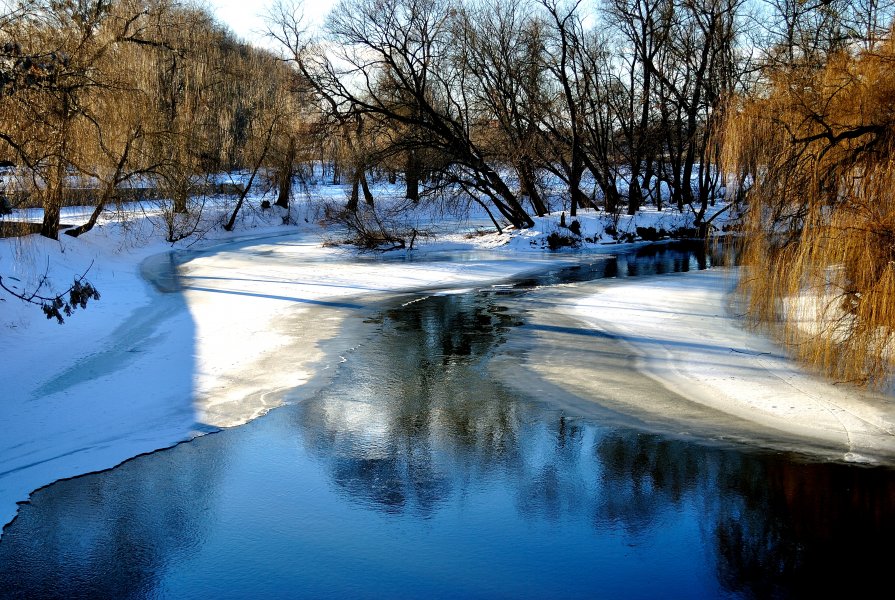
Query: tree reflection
[
  {"x": 418, "y": 420},
  {"x": 383, "y": 426},
  {"x": 644, "y": 474},
  {"x": 805, "y": 530}
]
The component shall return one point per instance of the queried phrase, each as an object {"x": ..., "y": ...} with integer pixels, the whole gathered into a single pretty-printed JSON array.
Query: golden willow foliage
[
  {"x": 98, "y": 97},
  {"x": 819, "y": 239}
]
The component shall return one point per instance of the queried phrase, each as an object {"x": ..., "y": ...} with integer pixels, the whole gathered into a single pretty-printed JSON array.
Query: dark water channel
[{"x": 415, "y": 474}]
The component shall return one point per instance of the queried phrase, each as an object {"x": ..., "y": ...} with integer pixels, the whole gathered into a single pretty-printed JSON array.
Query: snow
[{"x": 244, "y": 321}]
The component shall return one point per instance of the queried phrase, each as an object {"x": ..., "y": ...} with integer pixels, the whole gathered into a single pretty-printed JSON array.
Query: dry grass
[{"x": 819, "y": 240}]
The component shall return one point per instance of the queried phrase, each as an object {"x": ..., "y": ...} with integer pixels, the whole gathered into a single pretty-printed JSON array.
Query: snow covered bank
[
  {"x": 88, "y": 394},
  {"x": 686, "y": 337}
]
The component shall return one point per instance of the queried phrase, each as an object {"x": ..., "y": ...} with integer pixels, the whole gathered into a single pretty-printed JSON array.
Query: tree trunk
[
  {"x": 94, "y": 216},
  {"x": 530, "y": 188},
  {"x": 515, "y": 214},
  {"x": 337, "y": 173},
  {"x": 648, "y": 176},
  {"x": 284, "y": 182},
  {"x": 232, "y": 222},
  {"x": 635, "y": 197},
  {"x": 412, "y": 176},
  {"x": 611, "y": 200},
  {"x": 284, "y": 177},
  {"x": 577, "y": 197},
  {"x": 180, "y": 199},
  {"x": 50, "y": 226},
  {"x": 245, "y": 192},
  {"x": 368, "y": 196},
  {"x": 52, "y": 203},
  {"x": 355, "y": 192}
]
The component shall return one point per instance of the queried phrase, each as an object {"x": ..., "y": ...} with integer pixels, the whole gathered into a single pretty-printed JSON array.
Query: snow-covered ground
[{"x": 230, "y": 325}]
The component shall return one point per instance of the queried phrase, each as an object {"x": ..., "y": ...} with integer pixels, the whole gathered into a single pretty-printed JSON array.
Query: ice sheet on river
[{"x": 682, "y": 333}]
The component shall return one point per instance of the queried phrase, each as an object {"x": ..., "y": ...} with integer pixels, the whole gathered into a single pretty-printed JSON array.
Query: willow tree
[
  {"x": 57, "y": 68},
  {"x": 820, "y": 228}
]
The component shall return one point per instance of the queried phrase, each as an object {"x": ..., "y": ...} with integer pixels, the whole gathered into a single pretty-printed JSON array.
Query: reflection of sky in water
[{"x": 414, "y": 474}]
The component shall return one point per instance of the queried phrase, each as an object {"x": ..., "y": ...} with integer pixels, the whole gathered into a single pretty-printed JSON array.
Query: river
[{"x": 428, "y": 466}]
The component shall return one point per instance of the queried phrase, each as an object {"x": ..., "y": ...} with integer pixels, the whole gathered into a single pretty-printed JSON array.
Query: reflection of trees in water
[
  {"x": 779, "y": 527},
  {"x": 417, "y": 409},
  {"x": 109, "y": 535},
  {"x": 645, "y": 474},
  {"x": 658, "y": 259},
  {"x": 806, "y": 530},
  {"x": 675, "y": 257},
  {"x": 417, "y": 420}
]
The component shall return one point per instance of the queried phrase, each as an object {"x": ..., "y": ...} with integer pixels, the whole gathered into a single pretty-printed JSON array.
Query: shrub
[{"x": 557, "y": 240}]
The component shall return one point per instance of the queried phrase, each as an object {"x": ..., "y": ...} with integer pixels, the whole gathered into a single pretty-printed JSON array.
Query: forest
[{"x": 780, "y": 108}]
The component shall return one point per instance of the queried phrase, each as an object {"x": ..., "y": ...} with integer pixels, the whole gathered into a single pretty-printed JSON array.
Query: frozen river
[{"x": 432, "y": 460}]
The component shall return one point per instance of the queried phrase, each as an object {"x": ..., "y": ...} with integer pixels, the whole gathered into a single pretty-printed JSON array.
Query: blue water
[{"x": 415, "y": 474}]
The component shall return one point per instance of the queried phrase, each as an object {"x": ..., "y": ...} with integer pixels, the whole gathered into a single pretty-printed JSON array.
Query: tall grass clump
[{"x": 816, "y": 153}]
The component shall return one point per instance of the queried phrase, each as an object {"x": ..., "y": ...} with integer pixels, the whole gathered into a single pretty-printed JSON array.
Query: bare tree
[
  {"x": 563, "y": 56},
  {"x": 392, "y": 63},
  {"x": 499, "y": 44}
]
